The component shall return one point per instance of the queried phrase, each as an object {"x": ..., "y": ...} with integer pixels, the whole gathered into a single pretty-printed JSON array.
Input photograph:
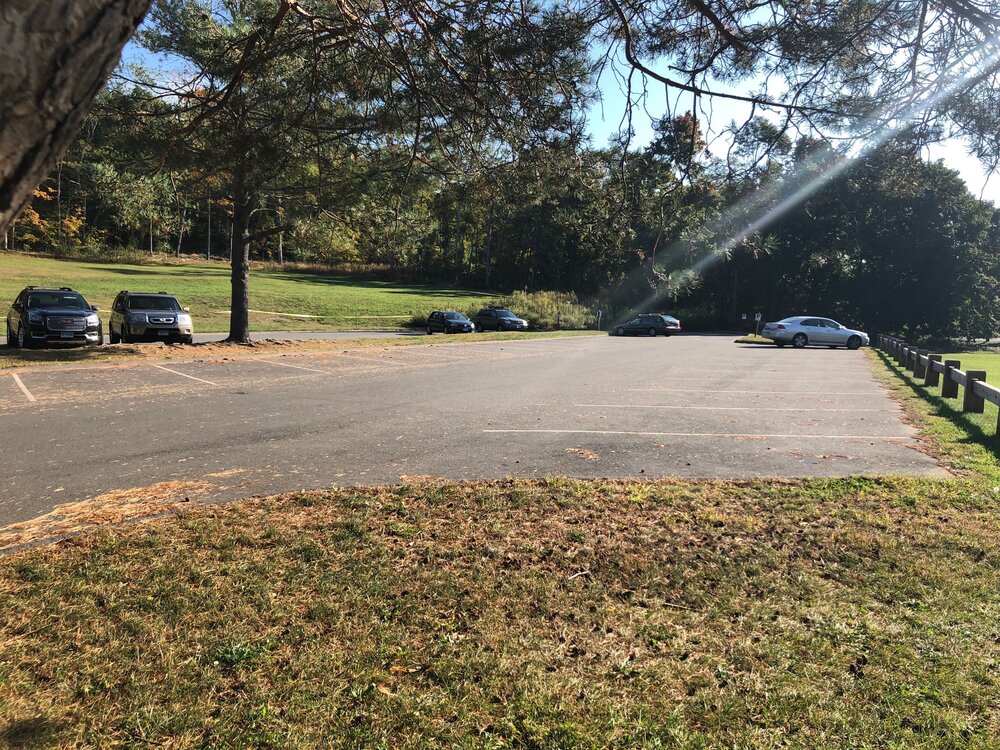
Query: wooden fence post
[
  {"x": 932, "y": 376},
  {"x": 949, "y": 387},
  {"x": 972, "y": 401},
  {"x": 919, "y": 368}
]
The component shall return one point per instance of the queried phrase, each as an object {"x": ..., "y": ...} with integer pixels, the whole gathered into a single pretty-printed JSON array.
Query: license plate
[
  {"x": 164, "y": 333},
  {"x": 66, "y": 334}
]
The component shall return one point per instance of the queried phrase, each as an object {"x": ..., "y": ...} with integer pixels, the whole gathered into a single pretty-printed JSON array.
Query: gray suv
[{"x": 143, "y": 316}]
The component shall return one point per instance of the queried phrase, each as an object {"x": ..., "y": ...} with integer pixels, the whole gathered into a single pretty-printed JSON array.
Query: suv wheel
[
  {"x": 23, "y": 342},
  {"x": 126, "y": 337},
  {"x": 651, "y": 331},
  {"x": 112, "y": 338},
  {"x": 429, "y": 331},
  {"x": 619, "y": 331}
]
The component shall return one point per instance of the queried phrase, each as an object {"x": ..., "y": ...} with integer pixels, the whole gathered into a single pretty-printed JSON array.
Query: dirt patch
[
  {"x": 584, "y": 453},
  {"x": 227, "y": 473},
  {"x": 219, "y": 351},
  {"x": 110, "y": 508}
]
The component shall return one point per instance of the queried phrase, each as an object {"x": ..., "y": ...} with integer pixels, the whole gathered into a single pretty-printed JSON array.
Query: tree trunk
[
  {"x": 239, "y": 317},
  {"x": 59, "y": 226},
  {"x": 489, "y": 249},
  {"x": 180, "y": 230},
  {"x": 55, "y": 57}
]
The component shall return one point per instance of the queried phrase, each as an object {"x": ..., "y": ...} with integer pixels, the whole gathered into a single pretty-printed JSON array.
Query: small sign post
[{"x": 757, "y": 316}]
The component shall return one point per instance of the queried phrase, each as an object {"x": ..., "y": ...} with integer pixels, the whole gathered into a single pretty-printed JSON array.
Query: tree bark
[
  {"x": 239, "y": 317},
  {"x": 55, "y": 57}
]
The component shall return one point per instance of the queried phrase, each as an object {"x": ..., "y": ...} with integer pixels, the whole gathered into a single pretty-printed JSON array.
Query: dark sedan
[
  {"x": 448, "y": 321},
  {"x": 649, "y": 324}
]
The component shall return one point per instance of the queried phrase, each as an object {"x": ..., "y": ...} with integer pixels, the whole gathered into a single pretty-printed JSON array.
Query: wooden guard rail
[{"x": 930, "y": 368}]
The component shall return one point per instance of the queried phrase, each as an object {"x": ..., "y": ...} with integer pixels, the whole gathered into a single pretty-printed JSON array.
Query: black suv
[
  {"x": 498, "y": 319},
  {"x": 46, "y": 316},
  {"x": 144, "y": 316}
]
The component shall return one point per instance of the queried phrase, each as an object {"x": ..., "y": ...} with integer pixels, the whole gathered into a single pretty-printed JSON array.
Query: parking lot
[{"x": 689, "y": 406}]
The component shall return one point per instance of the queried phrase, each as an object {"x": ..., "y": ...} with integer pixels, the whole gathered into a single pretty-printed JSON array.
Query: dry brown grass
[
  {"x": 124, "y": 354},
  {"x": 113, "y": 507}
]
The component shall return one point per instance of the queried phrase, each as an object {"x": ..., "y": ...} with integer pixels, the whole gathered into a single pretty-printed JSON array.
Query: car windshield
[
  {"x": 152, "y": 302},
  {"x": 455, "y": 316},
  {"x": 506, "y": 314},
  {"x": 57, "y": 299}
]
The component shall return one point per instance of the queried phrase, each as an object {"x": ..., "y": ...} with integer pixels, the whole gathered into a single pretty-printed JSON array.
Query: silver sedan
[{"x": 803, "y": 330}]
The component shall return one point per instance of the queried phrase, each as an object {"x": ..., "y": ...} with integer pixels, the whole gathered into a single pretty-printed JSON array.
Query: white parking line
[
  {"x": 757, "y": 393},
  {"x": 750, "y": 379},
  {"x": 184, "y": 375},
  {"x": 719, "y": 408},
  {"x": 453, "y": 356},
  {"x": 297, "y": 367},
  {"x": 24, "y": 388},
  {"x": 373, "y": 360},
  {"x": 743, "y": 435}
]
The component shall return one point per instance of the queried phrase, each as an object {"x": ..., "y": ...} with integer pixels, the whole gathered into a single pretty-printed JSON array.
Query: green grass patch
[
  {"x": 753, "y": 339},
  {"x": 334, "y": 302},
  {"x": 967, "y": 442},
  {"x": 553, "y": 614}
]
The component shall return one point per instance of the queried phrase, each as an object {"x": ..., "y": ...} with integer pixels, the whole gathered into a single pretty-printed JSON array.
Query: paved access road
[
  {"x": 687, "y": 406},
  {"x": 204, "y": 338}
]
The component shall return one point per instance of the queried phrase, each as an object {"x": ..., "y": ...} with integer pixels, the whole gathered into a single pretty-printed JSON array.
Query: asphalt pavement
[{"x": 689, "y": 406}]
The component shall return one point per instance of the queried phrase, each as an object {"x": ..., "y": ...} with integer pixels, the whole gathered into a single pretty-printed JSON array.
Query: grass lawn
[
  {"x": 336, "y": 302},
  {"x": 851, "y": 613},
  {"x": 958, "y": 428}
]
